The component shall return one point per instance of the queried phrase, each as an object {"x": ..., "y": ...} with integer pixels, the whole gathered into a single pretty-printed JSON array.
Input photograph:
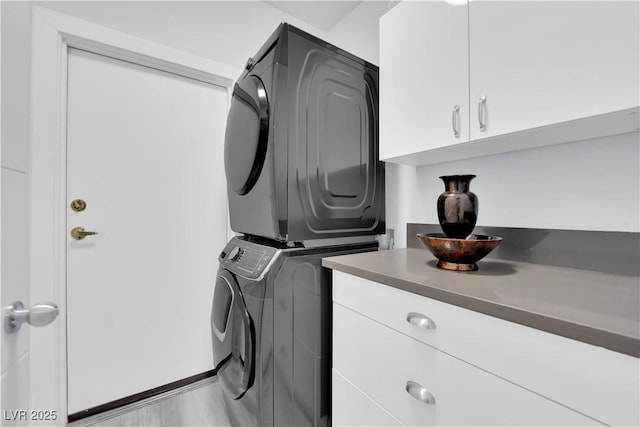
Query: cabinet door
[
  {"x": 423, "y": 75},
  {"x": 352, "y": 407},
  {"x": 540, "y": 63}
]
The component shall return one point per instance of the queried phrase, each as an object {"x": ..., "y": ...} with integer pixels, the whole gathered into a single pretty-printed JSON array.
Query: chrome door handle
[
  {"x": 80, "y": 233},
  {"x": 455, "y": 121},
  {"x": 482, "y": 113},
  {"x": 421, "y": 321},
  {"x": 420, "y": 393},
  {"x": 38, "y": 315}
]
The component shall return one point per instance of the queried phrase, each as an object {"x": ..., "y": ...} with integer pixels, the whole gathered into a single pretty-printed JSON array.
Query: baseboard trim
[{"x": 134, "y": 398}]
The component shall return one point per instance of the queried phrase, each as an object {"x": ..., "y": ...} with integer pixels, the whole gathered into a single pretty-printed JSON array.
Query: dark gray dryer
[
  {"x": 301, "y": 147},
  {"x": 271, "y": 331}
]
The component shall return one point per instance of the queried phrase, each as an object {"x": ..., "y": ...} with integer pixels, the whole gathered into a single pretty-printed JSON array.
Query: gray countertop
[{"x": 596, "y": 308}]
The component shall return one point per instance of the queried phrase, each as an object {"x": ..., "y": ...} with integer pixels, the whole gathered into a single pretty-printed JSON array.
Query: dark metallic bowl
[{"x": 459, "y": 254}]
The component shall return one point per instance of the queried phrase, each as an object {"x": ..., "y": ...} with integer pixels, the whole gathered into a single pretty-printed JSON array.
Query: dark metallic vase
[{"x": 457, "y": 206}]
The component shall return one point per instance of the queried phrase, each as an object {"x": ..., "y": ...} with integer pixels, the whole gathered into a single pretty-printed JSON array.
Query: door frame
[{"x": 52, "y": 34}]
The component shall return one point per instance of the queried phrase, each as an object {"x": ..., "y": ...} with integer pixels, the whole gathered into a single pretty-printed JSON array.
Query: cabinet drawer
[
  {"x": 351, "y": 407},
  {"x": 564, "y": 370},
  {"x": 380, "y": 361}
]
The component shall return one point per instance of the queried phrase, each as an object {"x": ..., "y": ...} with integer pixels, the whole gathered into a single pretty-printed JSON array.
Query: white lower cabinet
[
  {"x": 422, "y": 386},
  {"x": 595, "y": 381},
  {"x": 350, "y": 406}
]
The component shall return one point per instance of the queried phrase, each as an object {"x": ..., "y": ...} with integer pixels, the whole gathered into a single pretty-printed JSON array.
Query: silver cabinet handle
[
  {"x": 455, "y": 121},
  {"x": 421, "y": 321},
  {"x": 420, "y": 393},
  {"x": 482, "y": 113},
  {"x": 38, "y": 315}
]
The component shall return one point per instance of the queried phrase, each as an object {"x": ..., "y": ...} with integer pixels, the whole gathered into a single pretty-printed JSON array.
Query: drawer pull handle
[
  {"x": 420, "y": 393},
  {"x": 421, "y": 321}
]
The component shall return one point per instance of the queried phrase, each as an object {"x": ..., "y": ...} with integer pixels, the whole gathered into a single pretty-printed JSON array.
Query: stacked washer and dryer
[{"x": 304, "y": 182}]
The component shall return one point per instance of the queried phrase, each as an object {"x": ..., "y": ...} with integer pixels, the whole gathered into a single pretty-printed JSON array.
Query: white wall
[
  {"x": 15, "y": 136},
  {"x": 226, "y": 31},
  {"x": 359, "y": 32},
  {"x": 586, "y": 185}
]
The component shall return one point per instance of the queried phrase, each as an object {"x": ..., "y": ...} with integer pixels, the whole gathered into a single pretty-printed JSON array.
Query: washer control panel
[{"x": 246, "y": 258}]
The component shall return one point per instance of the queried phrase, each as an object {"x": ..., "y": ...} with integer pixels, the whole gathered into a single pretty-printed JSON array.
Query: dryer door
[
  {"x": 233, "y": 335},
  {"x": 245, "y": 145}
]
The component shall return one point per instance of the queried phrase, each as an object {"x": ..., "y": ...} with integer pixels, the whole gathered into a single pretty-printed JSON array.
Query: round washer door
[
  {"x": 246, "y": 139},
  {"x": 233, "y": 335}
]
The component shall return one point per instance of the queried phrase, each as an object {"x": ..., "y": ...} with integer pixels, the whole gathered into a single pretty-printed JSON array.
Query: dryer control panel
[{"x": 247, "y": 259}]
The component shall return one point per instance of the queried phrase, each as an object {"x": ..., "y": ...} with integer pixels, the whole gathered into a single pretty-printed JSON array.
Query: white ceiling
[{"x": 323, "y": 15}]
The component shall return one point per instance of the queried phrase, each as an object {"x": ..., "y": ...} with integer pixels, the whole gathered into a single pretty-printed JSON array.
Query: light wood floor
[{"x": 198, "y": 404}]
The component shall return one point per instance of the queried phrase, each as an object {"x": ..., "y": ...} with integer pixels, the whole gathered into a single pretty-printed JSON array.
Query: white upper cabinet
[
  {"x": 424, "y": 74},
  {"x": 540, "y": 63},
  {"x": 548, "y": 71}
]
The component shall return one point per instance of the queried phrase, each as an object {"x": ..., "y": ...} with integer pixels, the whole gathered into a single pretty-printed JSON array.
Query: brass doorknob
[{"x": 80, "y": 233}]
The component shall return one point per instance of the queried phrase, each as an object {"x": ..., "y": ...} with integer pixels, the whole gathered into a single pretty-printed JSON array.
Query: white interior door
[{"x": 144, "y": 152}]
